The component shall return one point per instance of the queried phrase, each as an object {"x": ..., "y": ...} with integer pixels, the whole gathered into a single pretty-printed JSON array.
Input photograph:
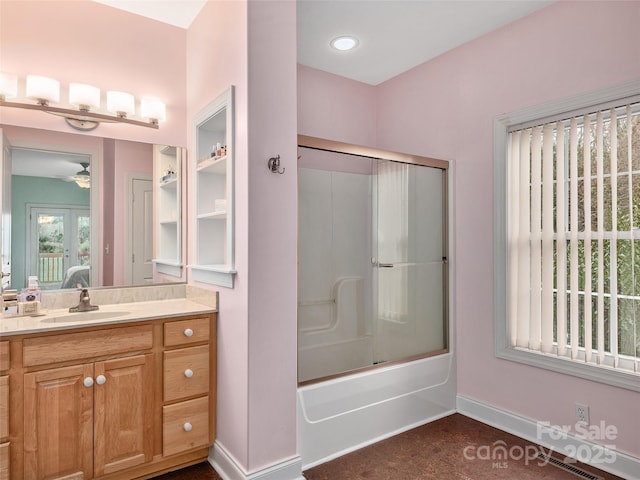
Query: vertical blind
[{"x": 574, "y": 238}]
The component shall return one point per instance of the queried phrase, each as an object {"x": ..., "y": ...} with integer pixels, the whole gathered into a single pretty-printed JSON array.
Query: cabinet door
[
  {"x": 123, "y": 413},
  {"x": 58, "y": 423}
]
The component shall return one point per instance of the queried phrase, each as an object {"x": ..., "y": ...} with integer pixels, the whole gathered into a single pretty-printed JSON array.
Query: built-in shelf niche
[
  {"x": 212, "y": 168},
  {"x": 168, "y": 166}
]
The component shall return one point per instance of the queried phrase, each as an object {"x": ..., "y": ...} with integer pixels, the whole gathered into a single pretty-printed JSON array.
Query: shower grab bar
[
  {"x": 410, "y": 264},
  {"x": 309, "y": 303}
]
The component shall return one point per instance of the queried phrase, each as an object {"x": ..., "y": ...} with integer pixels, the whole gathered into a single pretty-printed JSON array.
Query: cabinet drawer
[
  {"x": 4, "y": 461},
  {"x": 186, "y": 332},
  {"x": 4, "y": 407},
  {"x": 77, "y": 346},
  {"x": 4, "y": 356},
  {"x": 185, "y": 426},
  {"x": 186, "y": 372}
]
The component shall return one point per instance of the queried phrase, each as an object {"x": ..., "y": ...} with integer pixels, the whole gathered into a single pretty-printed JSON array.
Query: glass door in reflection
[{"x": 59, "y": 241}]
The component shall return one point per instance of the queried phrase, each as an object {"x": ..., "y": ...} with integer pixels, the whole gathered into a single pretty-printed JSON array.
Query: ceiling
[
  {"x": 394, "y": 35},
  {"x": 40, "y": 163}
]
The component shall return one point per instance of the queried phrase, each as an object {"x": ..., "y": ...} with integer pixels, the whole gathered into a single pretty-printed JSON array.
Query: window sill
[{"x": 595, "y": 373}]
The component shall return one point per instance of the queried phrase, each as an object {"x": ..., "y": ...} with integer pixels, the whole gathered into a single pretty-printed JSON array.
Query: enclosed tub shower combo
[{"x": 374, "y": 356}]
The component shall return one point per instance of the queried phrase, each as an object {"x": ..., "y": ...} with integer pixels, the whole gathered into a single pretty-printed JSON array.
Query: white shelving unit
[
  {"x": 168, "y": 203},
  {"x": 213, "y": 196}
]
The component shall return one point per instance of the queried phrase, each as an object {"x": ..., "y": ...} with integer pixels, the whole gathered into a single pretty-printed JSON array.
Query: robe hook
[{"x": 274, "y": 165}]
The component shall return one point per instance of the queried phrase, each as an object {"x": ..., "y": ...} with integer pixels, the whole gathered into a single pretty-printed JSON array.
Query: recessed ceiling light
[{"x": 344, "y": 43}]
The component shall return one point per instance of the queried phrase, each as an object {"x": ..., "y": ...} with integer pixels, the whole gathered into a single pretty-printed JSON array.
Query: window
[{"x": 568, "y": 221}]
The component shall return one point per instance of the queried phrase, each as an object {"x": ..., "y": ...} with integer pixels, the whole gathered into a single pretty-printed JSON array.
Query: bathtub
[{"x": 337, "y": 416}]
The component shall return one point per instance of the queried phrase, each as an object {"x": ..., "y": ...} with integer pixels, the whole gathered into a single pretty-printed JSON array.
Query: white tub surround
[{"x": 342, "y": 415}]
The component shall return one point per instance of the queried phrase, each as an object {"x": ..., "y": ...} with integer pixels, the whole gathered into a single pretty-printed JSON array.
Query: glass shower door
[{"x": 409, "y": 266}]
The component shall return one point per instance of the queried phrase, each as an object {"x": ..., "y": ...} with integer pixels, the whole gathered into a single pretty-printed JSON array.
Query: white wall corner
[
  {"x": 229, "y": 469},
  {"x": 617, "y": 463}
]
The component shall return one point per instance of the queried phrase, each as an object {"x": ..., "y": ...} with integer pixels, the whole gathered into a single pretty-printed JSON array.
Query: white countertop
[{"x": 110, "y": 314}]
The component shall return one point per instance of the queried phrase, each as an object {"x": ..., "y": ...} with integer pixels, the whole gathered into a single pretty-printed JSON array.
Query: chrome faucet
[{"x": 84, "y": 305}]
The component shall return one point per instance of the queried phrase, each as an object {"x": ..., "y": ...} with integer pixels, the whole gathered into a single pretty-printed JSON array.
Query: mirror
[{"x": 84, "y": 210}]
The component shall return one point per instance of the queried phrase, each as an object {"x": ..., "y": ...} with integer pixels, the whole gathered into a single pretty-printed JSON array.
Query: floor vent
[{"x": 569, "y": 468}]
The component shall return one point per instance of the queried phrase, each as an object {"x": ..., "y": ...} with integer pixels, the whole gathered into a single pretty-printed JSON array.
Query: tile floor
[{"x": 443, "y": 449}]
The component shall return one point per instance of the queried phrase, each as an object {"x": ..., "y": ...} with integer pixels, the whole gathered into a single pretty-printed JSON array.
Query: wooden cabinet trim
[
  {"x": 174, "y": 332},
  {"x": 59, "y": 395},
  {"x": 125, "y": 397},
  {"x": 177, "y": 385},
  {"x": 86, "y": 345},
  {"x": 5, "y": 360},
  {"x": 4, "y": 462},
  {"x": 4, "y": 407},
  {"x": 176, "y": 438}
]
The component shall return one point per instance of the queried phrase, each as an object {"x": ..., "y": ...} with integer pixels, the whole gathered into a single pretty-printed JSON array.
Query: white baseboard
[
  {"x": 229, "y": 469},
  {"x": 618, "y": 463}
]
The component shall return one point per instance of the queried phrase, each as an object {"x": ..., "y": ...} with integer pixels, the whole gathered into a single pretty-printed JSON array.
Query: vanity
[{"x": 126, "y": 391}]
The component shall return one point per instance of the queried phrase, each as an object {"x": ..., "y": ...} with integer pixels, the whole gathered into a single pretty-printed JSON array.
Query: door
[
  {"x": 410, "y": 276},
  {"x": 5, "y": 211},
  {"x": 58, "y": 423},
  {"x": 59, "y": 246},
  {"x": 124, "y": 413},
  {"x": 141, "y": 231}
]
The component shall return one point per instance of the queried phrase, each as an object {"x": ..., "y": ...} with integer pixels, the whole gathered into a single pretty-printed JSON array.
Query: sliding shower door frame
[{"x": 316, "y": 143}]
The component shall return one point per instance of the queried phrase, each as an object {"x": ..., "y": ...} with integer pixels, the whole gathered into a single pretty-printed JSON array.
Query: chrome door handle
[{"x": 385, "y": 265}]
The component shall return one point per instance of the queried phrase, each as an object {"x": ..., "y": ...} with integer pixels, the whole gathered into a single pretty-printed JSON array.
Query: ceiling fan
[{"x": 82, "y": 178}]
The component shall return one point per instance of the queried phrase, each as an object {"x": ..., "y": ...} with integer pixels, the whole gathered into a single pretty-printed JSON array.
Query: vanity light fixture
[
  {"x": 345, "y": 42},
  {"x": 86, "y": 100}
]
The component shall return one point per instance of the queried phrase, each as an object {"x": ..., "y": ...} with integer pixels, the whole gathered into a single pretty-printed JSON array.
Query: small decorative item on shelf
[
  {"x": 168, "y": 175},
  {"x": 218, "y": 151}
]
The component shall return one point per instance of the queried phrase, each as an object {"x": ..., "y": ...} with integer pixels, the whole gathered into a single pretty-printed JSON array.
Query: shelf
[
  {"x": 168, "y": 204},
  {"x": 169, "y": 267},
  {"x": 212, "y": 259},
  {"x": 213, "y": 216},
  {"x": 215, "y": 165},
  {"x": 169, "y": 184},
  {"x": 216, "y": 274}
]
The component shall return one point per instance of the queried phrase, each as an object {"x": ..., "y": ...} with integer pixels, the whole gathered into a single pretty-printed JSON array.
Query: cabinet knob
[
  {"x": 88, "y": 382},
  {"x": 188, "y": 373},
  {"x": 188, "y": 332},
  {"x": 101, "y": 379},
  {"x": 187, "y": 427}
]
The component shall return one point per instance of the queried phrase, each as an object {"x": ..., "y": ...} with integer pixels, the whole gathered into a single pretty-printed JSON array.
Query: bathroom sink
[{"x": 85, "y": 316}]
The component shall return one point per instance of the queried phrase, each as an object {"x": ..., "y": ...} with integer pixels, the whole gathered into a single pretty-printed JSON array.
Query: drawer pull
[
  {"x": 187, "y": 427},
  {"x": 88, "y": 382},
  {"x": 188, "y": 373},
  {"x": 101, "y": 379},
  {"x": 188, "y": 332}
]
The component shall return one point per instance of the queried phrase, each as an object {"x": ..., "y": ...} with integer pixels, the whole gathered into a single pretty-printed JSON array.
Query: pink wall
[
  {"x": 336, "y": 108},
  {"x": 445, "y": 109},
  {"x": 92, "y": 43},
  {"x": 272, "y": 234},
  {"x": 130, "y": 158},
  {"x": 257, "y": 318},
  {"x": 216, "y": 59}
]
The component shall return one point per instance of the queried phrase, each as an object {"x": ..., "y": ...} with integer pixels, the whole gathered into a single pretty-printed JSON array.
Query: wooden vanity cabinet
[
  {"x": 88, "y": 420},
  {"x": 4, "y": 410},
  {"x": 91, "y": 403}
]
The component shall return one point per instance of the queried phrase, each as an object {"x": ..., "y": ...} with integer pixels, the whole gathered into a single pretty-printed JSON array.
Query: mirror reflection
[
  {"x": 50, "y": 218},
  {"x": 81, "y": 209}
]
